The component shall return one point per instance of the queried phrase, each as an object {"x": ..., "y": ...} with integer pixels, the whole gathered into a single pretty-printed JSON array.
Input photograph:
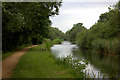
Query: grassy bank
[{"x": 39, "y": 63}]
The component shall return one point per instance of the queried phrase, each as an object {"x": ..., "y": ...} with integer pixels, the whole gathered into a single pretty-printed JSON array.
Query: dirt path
[{"x": 10, "y": 62}]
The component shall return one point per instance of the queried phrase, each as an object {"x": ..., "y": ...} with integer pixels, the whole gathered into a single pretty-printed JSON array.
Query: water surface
[{"x": 98, "y": 65}]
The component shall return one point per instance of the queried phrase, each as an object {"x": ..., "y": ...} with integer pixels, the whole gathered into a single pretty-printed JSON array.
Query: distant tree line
[
  {"x": 71, "y": 35},
  {"x": 55, "y": 33}
]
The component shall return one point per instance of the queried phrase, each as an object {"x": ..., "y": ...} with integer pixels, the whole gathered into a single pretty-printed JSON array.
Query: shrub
[
  {"x": 57, "y": 41},
  {"x": 50, "y": 43}
]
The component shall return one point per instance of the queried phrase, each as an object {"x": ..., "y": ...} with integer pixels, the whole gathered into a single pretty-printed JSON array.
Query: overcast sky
[{"x": 80, "y": 11}]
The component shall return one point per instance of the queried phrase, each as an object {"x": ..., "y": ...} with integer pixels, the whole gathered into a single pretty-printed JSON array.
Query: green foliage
[
  {"x": 82, "y": 39},
  {"x": 111, "y": 45},
  {"x": 26, "y": 22},
  {"x": 55, "y": 36},
  {"x": 50, "y": 43},
  {"x": 98, "y": 44},
  {"x": 72, "y": 34},
  {"x": 57, "y": 41},
  {"x": 55, "y": 33},
  {"x": 104, "y": 35}
]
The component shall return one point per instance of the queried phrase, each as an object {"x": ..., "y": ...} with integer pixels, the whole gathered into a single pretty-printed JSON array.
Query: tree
[
  {"x": 55, "y": 33},
  {"x": 26, "y": 22},
  {"x": 72, "y": 34}
]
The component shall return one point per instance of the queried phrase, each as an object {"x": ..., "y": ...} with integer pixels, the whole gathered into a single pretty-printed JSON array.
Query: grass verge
[{"x": 38, "y": 63}]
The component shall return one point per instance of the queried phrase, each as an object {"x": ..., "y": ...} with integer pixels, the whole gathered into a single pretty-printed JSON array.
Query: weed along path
[{"x": 10, "y": 62}]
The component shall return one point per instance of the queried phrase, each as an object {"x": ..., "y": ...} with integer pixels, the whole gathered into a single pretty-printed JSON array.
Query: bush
[
  {"x": 57, "y": 41},
  {"x": 50, "y": 43}
]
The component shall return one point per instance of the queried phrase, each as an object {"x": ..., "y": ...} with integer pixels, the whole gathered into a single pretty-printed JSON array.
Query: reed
[
  {"x": 93, "y": 74},
  {"x": 106, "y": 46}
]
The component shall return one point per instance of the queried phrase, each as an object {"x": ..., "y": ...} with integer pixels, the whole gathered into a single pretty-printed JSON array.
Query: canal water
[{"x": 99, "y": 66}]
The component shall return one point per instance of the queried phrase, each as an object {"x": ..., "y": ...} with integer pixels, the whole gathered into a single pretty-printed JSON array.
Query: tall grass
[{"x": 110, "y": 46}]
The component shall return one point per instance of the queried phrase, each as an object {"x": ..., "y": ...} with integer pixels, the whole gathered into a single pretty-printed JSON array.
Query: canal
[{"x": 99, "y": 65}]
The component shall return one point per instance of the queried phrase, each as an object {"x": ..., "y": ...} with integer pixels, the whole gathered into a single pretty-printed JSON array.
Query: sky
[{"x": 80, "y": 11}]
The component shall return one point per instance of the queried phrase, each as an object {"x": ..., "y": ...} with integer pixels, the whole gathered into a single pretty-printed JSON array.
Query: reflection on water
[
  {"x": 107, "y": 66},
  {"x": 98, "y": 65},
  {"x": 63, "y": 49}
]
